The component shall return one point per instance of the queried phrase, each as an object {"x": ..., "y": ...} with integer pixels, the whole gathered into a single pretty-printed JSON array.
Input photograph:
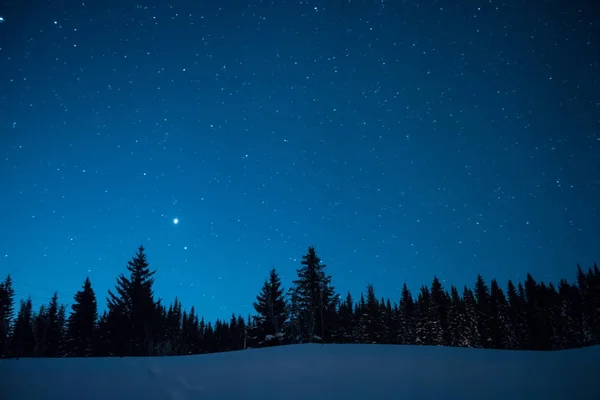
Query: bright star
[{"x": 176, "y": 221}]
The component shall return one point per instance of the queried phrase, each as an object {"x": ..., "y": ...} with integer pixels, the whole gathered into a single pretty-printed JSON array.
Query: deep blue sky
[{"x": 403, "y": 139}]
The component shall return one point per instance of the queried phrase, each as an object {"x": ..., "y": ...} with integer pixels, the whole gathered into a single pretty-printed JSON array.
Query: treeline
[{"x": 530, "y": 315}]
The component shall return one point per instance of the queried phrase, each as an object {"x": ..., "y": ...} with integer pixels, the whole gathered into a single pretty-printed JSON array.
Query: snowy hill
[{"x": 312, "y": 372}]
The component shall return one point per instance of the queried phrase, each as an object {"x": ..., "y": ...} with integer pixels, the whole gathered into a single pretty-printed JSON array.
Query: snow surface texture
[{"x": 312, "y": 371}]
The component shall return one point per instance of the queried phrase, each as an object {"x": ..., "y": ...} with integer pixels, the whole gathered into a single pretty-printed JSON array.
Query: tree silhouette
[
  {"x": 271, "y": 309},
  {"x": 82, "y": 322},
  {"x": 132, "y": 311},
  {"x": 531, "y": 315},
  {"x": 7, "y": 310},
  {"x": 314, "y": 297}
]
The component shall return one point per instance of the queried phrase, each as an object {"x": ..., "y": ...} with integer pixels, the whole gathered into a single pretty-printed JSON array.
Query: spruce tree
[
  {"x": 346, "y": 320},
  {"x": 482, "y": 297},
  {"x": 49, "y": 329},
  {"x": 40, "y": 331},
  {"x": 370, "y": 321},
  {"x": 22, "y": 341},
  {"x": 456, "y": 319},
  {"x": 315, "y": 298},
  {"x": 470, "y": 328},
  {"x": 570, "y": 315},
  {"x": 271, "y": 309},
  {"x": 360, "y": 333},
  {"x": 387, "y": 321},
  {"x": 516, "y": 313},
  {"x": 426, "y": 330},
  {"x": 82, "y": 322},
  {"x": 532, "y": 293},
  {"x": 438, "y": 314},
  {"x": 7, "y": 310},
  {"x": 589, "y": 287},
  {"x": 502, "y": 329},
  {"x": 132, "y": 310},
  {"x": 173, "y": 325},
  {"x": 407, "y": 319}
]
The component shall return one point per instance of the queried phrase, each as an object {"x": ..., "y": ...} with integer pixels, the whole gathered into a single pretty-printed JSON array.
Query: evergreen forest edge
[{"x": 530, "y": 316}]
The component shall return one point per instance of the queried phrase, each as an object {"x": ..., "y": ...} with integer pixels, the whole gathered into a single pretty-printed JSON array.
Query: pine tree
[
  {"x": 315, "y": 298},
  {"x": 82, "y": 322},
  {"x": 22, "y": 341},
  {"x": 482, "y": 296},
  {"x": 387, "y": 322},
  {"x": 532, "y": 293},
  {"x": 503, "y": 332},
  {"x": 201, "y": 349},
  {"x": 62, "y": 330},
  {"x": 516, "y": 307},
  {"x": 7, "y": 310},
  {"x": 470, "y": 327},
  {"x": 407, "y": 320},
  {"x": 426, "y": 330},
  {"x": 271, "y": 309},
  {"x": 242, "y": 329},
  {"x": 589, "y": 287},
  {"x": 172, "y": 326},
  {"x": 346, "y": 321},
  {"x": 437, "y": 314},
  {"x": 190, "y": 332},
  {"x": 456, "y": 318},
  {"x": 132, "y": 311},
  {"x": 370, "y": 318},
  {"x": 49, "y": 329},
  {"x": 548, "y": 308}
]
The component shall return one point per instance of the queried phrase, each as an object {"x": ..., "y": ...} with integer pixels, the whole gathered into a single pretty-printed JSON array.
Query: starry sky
[{"x": 403, "y": 139}]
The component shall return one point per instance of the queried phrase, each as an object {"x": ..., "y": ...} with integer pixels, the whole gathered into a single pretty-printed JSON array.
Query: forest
[{"x": 525, "y": 316}]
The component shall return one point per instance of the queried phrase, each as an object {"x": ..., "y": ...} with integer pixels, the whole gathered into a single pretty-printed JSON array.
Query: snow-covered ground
[{"x": 312, "y": 371}]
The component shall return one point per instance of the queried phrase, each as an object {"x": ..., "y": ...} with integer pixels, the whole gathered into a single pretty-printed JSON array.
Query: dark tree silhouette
[
  {"x": 7, "y": 311},
  {"x": 82, "y": 322},
  {"x": 271, "y": 309},
  {"x": 482, "y": 298},
  {"x": 133, "y": 312},
  {"x": 22, "y": 341},
  {"x": 531, "y": 315},
  {"x": 406, "y": 318},
  {"x": 313, "y": 298}
]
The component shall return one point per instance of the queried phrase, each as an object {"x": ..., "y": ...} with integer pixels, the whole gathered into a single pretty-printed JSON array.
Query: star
[{"x": 175, "y": 221}]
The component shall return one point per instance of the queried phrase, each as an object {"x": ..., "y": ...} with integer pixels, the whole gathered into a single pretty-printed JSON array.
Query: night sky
[{"x": 403, "y": 139}]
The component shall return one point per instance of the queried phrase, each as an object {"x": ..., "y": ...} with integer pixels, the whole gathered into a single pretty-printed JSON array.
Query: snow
[{"x": 312, "y": 371}]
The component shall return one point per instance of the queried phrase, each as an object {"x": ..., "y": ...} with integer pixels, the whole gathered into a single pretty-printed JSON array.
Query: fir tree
[
  {"x": 359, "y": 333},
  {"x": 437, "y": 314},
  {"x": 516, "y": 307},
  {"x": 387, "y": 322},
  {"x": 7, "y": 309},
  {"x": 82, "y": 322},
  {"x": 407, "y": 320},
  {"x": 132, "y": 311},
  {"x": 172, "y": 325},
  {"x": 427, "y": 331},
  {"x": 456, "y": 318},
  {"x": 22, "y": 341},
  {"x": 346, "y": 321},
  {"x": 49, "y": 329},
  {"x": 271, "y": 309},
  {"x": 370, "y": 321},
  {"x": 315, "y": 298},
  {"x": 535, "y": 340},
  {"x": 482, "y": 296},
  {"x": 470, "y": 327},
  {"x": 502, "y": 329},
  {"x": 570, "y": 315},
  {"x": 589, "y": 287}
]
